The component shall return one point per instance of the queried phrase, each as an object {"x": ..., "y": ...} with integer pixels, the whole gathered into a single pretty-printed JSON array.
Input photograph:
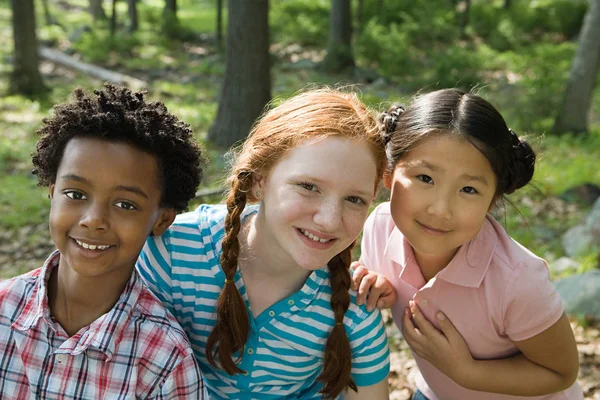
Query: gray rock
[
  {"x": 564, "y": 264},
  {"x": 580, "y": 293},
  {"x": 579, "y": 241}
]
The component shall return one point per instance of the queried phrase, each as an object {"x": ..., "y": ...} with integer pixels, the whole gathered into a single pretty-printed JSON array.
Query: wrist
[{"x": 467, "y": 374}]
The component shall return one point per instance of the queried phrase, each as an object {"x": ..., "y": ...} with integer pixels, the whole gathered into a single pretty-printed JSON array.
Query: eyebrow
[
  {"x": 132, "y": 189},
  {"x": 435, "y": 168}
]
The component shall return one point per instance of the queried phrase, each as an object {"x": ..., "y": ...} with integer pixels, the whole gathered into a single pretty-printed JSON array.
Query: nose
[
  {"x": 440, "y": 207},
  {"x": 328, "y": 215},
  {"x": 95, "y": 217}
]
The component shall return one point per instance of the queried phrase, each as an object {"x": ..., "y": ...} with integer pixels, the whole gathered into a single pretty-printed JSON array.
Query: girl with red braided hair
[{"x": 261, "y": 285}]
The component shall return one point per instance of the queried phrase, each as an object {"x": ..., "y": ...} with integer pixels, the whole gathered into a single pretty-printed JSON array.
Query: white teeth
[
  {"x": 313, "y": 237},
  {"x": 92, "y": 246}
]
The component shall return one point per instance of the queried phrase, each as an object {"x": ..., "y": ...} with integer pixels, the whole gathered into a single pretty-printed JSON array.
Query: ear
[
  {"x": 258, "y": 182},
  {"x": 164, "y": 220},
  {"x": 492, "y": 204},
  {"x": 51, "y": 191},
  {"x": 387, "y": 179}
]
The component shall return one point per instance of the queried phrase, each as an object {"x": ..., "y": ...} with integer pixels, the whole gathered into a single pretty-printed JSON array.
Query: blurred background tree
[
  {"x": 25, "y": 78},
  {"x": 575, "y": 109}
]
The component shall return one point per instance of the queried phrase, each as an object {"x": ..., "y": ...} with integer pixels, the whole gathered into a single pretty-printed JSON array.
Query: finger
[
  {"x": 388, "y": 296},
  {"x": 380, "y": 289},
  {"x": 409, "y": 331},
  {"x": 447, "y": 327},
  {"x": 359, "y": 272},
  {"x": 364, "y": 287},
  {"x": 426, "y": 328}
]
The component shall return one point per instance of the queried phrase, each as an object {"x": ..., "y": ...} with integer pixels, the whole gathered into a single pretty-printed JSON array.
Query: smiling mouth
[
  {"x": 95, "y": 247},
  {"x": 313, "y": 237},
  {"x": 429, "y": 228}
]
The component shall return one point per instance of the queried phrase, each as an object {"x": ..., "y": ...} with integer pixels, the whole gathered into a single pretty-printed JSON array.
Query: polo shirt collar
[
  {"x": 467, "y": 268},
  {"x": 104, "y": 334}
]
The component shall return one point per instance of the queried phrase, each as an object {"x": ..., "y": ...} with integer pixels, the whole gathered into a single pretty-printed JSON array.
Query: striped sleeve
[
  {"x": 154, "y": 265},
  {"x": 369, "y": 344}
]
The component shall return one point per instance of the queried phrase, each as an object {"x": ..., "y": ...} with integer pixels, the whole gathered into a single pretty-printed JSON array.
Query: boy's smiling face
[{"x": 105, "y": 203}]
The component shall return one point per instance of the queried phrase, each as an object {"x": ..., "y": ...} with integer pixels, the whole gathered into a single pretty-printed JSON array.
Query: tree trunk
[
  {"x": 26, "y": 78},
  {"x": 247, "y": 82},
  {"x": 47, "y": 15},
  {"x": 573, "y": 113},
  {"x": 464, "y": 17},
  {"x": 133, "y": 15},
  {"x": 339, "y": 46},
  {"x": 113, "y": 18},
  {"x": 171, "y": 22},
  {"x": 97, "y": 10},
  {"x": 507, "y": 4},
  {"x": 220, "y": 24},
  {"x": 360, "y": 15}
]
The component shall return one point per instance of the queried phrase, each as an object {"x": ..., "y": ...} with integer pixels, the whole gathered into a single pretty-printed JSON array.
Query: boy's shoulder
[
  {"x": 151, "y": 319},
  {"x": 15, "y": 292}
]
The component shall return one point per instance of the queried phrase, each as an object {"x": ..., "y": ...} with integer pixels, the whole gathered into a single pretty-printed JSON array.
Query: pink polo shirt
[{"x": 494, "y": 291}]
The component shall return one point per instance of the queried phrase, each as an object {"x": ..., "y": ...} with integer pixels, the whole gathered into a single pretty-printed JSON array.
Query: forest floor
[{"x": 27, "y": 248}]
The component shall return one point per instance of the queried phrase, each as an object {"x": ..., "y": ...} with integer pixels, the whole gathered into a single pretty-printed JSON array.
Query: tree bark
[
  {"x": 219, "y": 24},
  {"x": 133, "y": 15},
  {"x": 247, "y": 82},
  {"x": 26, "y": 78},
  {"x": 339, "y": 46},
  {"x": 573, "y": 113},
  {"x": 97, "y": 10}
]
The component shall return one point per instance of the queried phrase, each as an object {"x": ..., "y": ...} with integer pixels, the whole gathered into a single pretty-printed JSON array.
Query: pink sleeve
[
  {"x": 375, "y": 235},
  {"x": 532, "y": 305}
]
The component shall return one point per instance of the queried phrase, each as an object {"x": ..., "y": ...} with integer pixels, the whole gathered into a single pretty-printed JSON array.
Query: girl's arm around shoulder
[{"x": 369, "y": 347}]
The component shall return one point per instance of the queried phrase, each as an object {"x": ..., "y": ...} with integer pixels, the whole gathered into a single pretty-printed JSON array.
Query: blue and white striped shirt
[{"x": 284, "y": 353}]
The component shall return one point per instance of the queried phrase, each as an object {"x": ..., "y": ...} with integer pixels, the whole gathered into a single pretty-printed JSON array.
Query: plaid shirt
[{"x": 136, "y": 350}]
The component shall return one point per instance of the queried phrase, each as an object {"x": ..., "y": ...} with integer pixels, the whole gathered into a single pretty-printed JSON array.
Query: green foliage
[
  {"x": 305, "y": 22},
  {"x": 21, "y": 201},
  {"x": 97, "y": 45}
]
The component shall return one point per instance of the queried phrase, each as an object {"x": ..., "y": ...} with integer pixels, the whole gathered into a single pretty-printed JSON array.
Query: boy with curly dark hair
[{"x": 84, "y": 326}]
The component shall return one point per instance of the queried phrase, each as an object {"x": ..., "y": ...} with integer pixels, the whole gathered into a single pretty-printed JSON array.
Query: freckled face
[
  {"x": 441, "y": 192},
  {"x": 105, "y": 203},
  {"x": 316, "y": 200}
]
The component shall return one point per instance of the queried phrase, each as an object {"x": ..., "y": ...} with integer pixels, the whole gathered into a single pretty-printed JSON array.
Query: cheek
[{"x": 355, "y": 221}]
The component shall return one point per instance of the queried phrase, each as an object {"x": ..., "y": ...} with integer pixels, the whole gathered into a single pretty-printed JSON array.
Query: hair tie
[
  {"x": 515, "y": 139},
  {"x": 228, "y": 281},
  {"x": 390, "y": 120},
  {"x": 339, "y": 323}
]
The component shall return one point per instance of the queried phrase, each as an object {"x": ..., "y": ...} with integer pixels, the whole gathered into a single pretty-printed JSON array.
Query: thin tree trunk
[
  {"x": 507, "y": 4},
  {"x": 171, "y": 22},
  {"x": 247, "y": 82},
  {"x": 464, "y": 17},
  {"x": 97, "y": 10},
  {"x": 26, "y": 78},
  {"x": 220, "y": 24},
  {"x": 360, "y": 11},
  {"x": 47, "y": 15},
  {"x": 573, "y": 113},
  {"x": 339, "y": 46},
  {"x": 133, "y": 15},
  {"x": 113, "y": 18}
]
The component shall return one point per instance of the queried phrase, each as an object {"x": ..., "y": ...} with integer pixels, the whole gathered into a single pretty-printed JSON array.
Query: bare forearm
[{"x": 515, "y": 376}]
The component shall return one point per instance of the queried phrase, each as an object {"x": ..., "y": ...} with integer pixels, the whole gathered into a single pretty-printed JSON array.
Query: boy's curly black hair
[{"x": 116, "y": 114}]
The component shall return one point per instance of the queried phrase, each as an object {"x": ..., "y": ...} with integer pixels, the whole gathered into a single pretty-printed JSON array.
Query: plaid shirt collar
[{"x": 103, "y": 334}]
